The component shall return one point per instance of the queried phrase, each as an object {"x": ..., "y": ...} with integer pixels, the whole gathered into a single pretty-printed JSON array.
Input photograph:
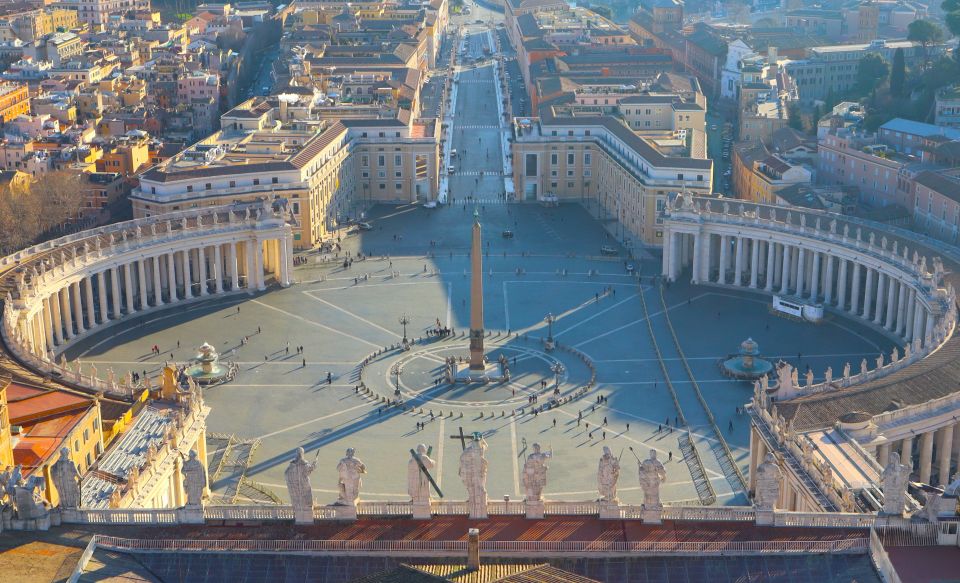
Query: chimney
[{"x": 473, "y": 548}]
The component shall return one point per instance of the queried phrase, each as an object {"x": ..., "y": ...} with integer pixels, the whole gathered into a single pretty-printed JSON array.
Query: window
[
  {"x": 397, "y": 161},
  {"x": 587, "y": 159},
  {"x": 189, "y": 188},
  {"x": 553, "y": 159},
  {"x": 381, "y": 160},
  {"x": 553, "y": 185},
  {"x": 233, "y": 184},
  {"x": 679, "y": 176},
  {"x": 364, "y": 161},
  {"x": 275, "y": 180},
  {"x": 86, "y": 435},
  {"x": 569, "y": 185},
  {"x": 570, "y": 158},
  {"x": 76, "y": 445},
  {"x": 256, "y": 182},
  {"x": 530, "y": 165},
  {"x": 398, "y": 174},
  {"x": 699, "y": 177},
  {"x": 383, "y": 186},
  {"x": 207, "y": 186}
]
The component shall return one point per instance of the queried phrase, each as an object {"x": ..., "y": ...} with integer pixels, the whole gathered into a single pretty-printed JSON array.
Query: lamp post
[
  {"x": 404, "y": 320},
  {"x": 550, "y": 319},
  {"x": 557, "y": 370}
]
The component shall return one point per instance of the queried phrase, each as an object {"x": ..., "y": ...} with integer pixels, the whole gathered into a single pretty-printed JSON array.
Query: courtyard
[{"x": 417, "y": 270}]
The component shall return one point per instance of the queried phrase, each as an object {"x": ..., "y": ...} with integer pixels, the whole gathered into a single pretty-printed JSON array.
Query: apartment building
[
  {"x": 14, "y": 101},
  {"x": 600, "y": 161},
  {"x": 936, "y": 207},
  {"x": 947, "y": 107},
  {"x": 326, "y": 170}
]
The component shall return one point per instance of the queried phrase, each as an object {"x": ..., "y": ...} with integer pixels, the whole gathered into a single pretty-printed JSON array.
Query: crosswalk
[
  {"x": 477, "y": 173},
  {"x": 462, "y": 200},
  {"x": 476, "y": 127}
]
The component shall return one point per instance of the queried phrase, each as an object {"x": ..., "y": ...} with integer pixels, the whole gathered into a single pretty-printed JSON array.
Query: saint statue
[
  {"x": 652, "y": 474},
  {"x": 535, "y": 474},
  {"x": 768, "y": 483},
  {"x": 297, "y": 476},
  {"x": 194, "y": 479},
  {"x": 350, "y": 469},
  {"x": 608, "y": 473},
  {"x": 418, "y": 486},
  {"x": 894, "y": 480},
  {"x": 66, "y": 478},
  {"x": 473, "y": 474}
]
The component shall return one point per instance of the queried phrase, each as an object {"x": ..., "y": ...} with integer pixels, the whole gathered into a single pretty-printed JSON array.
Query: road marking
[
  {"x": 506, "y": 307},
  {"x": 317, "y": 324},
  {"x": 628, "y": 324},
  {"x": 597, "y": 315}
]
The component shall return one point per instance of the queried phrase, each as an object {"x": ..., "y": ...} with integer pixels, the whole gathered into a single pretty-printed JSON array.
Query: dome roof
[{"x": 855, "y": 417}]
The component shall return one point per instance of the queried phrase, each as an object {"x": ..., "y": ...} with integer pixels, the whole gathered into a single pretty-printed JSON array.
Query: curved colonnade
[
  {"x": 894, "y": 283},
  {"x": 59, "y": 291}
]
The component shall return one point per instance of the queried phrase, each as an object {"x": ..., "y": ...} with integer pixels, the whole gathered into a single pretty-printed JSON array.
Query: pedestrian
[
  {"x": 659, "y": 428},
  {"x": 329, "y": 378},
  {"x": 304, "y": 363},
  {"x": 238, "y": 309},
  {"x": 178, "y": 344},
  {"x": 730, "y": 427},
  {"x": 604, "y": 434},
  {"x": 604, "y": 421},
  {"x": 628, "y": 427},
  {"x": 258, "y": 329},
  {"x": 554, "y": 423},
  {"x": 670, "y": 456}
]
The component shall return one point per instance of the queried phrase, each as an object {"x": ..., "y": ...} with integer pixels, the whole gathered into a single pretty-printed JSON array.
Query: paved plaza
[{"x": 339, "y": 320}]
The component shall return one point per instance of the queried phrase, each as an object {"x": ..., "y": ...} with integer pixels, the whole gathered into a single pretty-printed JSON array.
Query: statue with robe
[
  {"x": 66, "y": 479},
  {"x": 418, "y": 486},
  {"x": 349, "y": 470},
  {"x": 652, "y": 475},
  {"x": 608, "y": 474},
  {"x": 194, "y": 480},
  {"x": 534, "y": 476},
  {"x": 297, "y": 476}
]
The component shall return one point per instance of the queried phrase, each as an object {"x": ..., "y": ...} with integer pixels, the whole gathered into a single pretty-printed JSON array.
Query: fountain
[
  {"x": 207, "y": 368},
  {"x": 747, "y": 365}
]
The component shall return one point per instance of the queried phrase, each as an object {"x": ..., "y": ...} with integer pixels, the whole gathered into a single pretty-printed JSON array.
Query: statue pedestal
[
  {"x": 421, "y": 511},
  {"x": 533, "y": 508},
  {"x": 478, "y": 510},
  {"x": 346, "y": 511},
  {"x": 764, "y": 517},
  {"x": 303, "y": 515},
  {"x": 652, "y": 515},
  {"x": 609, "y": 510},
  {"x": 190, "y": 515}
]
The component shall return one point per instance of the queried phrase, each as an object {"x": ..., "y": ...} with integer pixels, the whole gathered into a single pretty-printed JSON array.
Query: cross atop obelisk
[{"x": 476, "y": 297}]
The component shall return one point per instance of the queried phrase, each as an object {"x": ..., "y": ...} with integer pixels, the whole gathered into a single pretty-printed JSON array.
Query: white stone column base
[
  {"x": 421, "y": 511},
  {"x": 609, "y": 510},
  {"x": 652, "y": 515},
  {"x": 765, "y": 517},
  {"x": 534, "y": 509},
  {"x": 190, "y": 515},
  {"x": 478, "y": 510}
]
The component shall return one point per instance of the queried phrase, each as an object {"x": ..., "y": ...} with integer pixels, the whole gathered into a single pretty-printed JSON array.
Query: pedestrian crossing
[
  {"x": 477, "y": 173},
  {"x": 475, "y": 200},
  {"x": 476, "y": 127}
]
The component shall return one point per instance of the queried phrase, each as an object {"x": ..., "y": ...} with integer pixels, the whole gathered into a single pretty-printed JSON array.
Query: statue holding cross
[{"x": 418, "y": 476}]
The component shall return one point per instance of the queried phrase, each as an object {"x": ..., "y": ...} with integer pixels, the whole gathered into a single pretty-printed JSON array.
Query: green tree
[
  {"x": 898, "y": 74},
  {"x": 794, "y": 119},
  {"x": 951, "y": 9},
  {"x": 871, "y": 72},
  {"x": 926, "y": 33}
]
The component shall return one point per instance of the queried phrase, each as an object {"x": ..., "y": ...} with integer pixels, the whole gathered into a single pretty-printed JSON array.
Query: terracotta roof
[
  {"x": 487, "y": 573},
  {"x": 29, "y": 405},
  {"x": 939, "y": 183}
]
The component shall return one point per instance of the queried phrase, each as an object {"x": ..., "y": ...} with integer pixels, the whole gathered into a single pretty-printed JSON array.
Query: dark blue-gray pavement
[{"x": 339, "y": 321}]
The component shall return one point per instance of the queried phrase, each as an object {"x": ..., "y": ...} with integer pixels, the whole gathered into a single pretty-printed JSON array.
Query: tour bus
[{"x": 811, "y": 312}]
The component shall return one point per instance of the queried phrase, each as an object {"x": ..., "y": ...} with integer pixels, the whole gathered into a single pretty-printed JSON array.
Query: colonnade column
[
  {"x": 945, "y": 446},
  {"x": 88, "y": 296},
  {"x": 48, "y": 322},
  {"x": 54, "y": 300},
  {"x": 287, "y": 257},
  {"x": 128, "y": 287},
  {"x": 77, "y": 306},
  {"x": 115, "y": 287},
  {"x": 842, "y": 285},
  {"x": 251, "y": 266},
  {"x": 66, "y": 311},
  {"x": 172, "y": 277},
  {"x": 815, "y": 277},
  {"x": 142, "y": 283},
  {"x": 926, "y": 456},
  {"x": 202, "y": 269},
  {"x": 258, "y": 270},
  {"x": 771, "y": 260},
  {"x": 917, "y": 331},
  {"x": 722, "y": 272},
  {"x": 911, "y": 308},
  {"x": 754, "y": 262},
  {"x": 902, "y": 309},
  {"x": 157, "y": 284},
  {"x": 893, "y": 289},
  {"x": 217, "y": 269},
  {"x": 801, "y": 271},
  {"x": 102, "y": 293},
  {"x": 855, "y": 289},
  {"x": 883, "y": 454},
  {"x": 738, "y": 263},
  {"x": 785, "y": 272},
  {"x": 906, "y": 452},
  {"x": 881, "y": 298},
  {"x": 234, "y": 267},
  {"x": 868, "y": 294},
  {"x": 187, "y": 277},
  {"x": 828, "y": 287}
]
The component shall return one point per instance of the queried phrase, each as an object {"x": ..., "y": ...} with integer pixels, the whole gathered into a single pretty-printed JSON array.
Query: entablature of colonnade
[{"x": 39, "y": 318}]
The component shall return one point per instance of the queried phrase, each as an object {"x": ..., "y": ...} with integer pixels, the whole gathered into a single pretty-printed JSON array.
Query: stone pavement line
[
  {"x": 506, "y": 307},
  {"x": 317, "y": 324},
  {"x": 351, "y": 314},
  {"x": 539, "y": 324},
  {"x": 597, "y": 315},
  {"x": 314, "y": 420}
]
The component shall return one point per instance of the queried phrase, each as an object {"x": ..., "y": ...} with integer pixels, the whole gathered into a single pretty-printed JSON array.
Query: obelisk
[{"x": 476, "y": 297}]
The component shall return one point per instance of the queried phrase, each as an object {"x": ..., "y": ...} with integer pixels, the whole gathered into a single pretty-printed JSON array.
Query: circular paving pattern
[{"x": 532, "y": 373}]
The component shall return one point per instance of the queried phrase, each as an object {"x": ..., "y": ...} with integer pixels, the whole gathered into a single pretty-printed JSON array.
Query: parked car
[
  {"x": 608, "y": 250},
  {"x": 365, "y": 226},
  {"x": 507, "y": 234}
]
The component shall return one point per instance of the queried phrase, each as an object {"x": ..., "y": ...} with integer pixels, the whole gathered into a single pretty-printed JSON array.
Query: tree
[
  {"x": 794, "y": 119},
  {"x": 926, "y": 33},
  {"x": 899, "y": 74},
  {"x": 871, "y": 72},
  {"x": 51, "y": 201}
]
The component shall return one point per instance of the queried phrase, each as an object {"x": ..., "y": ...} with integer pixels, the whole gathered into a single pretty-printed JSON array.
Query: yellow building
[
  {"x": 14, "y": 101},
  {"x": 6, "y": 442}
]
